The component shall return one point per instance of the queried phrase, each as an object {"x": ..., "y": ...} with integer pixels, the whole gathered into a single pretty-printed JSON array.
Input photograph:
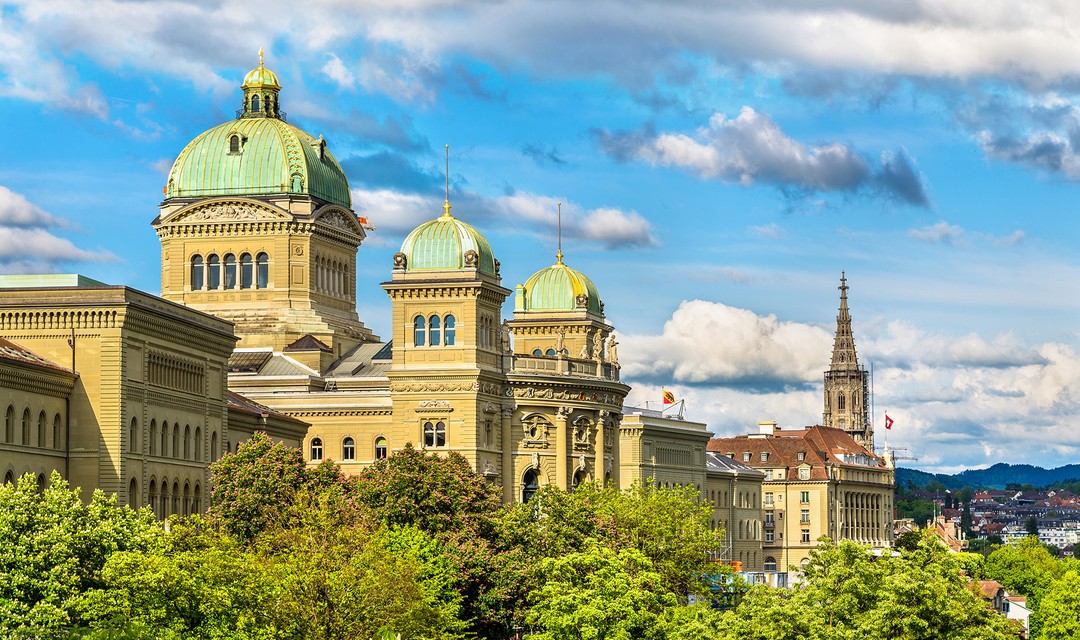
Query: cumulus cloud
[
  {"x": 396, "y": 213},
  {"x": 751, "y": 148},
  {"x": 941, "y": 232},
  {"x": 336, "y": 70},
  {"x": 957, "y": 400},
  {"x": 712, "y": 343},
  {"x": 27, "y": 245}
]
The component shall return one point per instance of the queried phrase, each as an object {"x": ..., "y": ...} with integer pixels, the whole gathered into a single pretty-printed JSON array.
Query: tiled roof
[
  {"x": 818, "y": 445},
  {"x": 18, "y": 353},
  {"x": 242, "y": 404}
]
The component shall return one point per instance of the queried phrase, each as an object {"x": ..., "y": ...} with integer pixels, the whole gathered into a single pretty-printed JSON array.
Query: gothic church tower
[{"x": 847, "y": 384}]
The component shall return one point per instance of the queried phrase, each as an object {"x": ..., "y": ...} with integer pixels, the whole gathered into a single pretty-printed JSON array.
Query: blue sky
[{"x": 719, "y": 163}]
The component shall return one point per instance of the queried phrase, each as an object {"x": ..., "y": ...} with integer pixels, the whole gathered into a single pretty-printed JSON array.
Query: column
[
  {"x": 560, "y": 446},
  {"x": 507, "y": 455},
  {"x": 599, "y": 464}
]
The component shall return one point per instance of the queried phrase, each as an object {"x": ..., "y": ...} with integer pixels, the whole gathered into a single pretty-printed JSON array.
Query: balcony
[
  {"x": 565, "y": 366},
  {"x": 280, "y": 115}
]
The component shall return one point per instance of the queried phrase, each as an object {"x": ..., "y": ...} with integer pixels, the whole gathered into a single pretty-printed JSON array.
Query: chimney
[{"x": 766, "y": 428}]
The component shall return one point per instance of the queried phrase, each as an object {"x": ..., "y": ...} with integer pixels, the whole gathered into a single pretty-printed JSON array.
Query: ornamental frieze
[{"x": 228, "y": 211}]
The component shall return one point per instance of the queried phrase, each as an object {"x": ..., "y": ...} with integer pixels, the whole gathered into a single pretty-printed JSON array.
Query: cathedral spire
[
  {"x": 843, "y": 355},
  {"x": 847, "y": 388}
]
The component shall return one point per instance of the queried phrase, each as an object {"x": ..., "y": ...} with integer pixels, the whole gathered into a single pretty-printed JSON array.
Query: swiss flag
[{"x": 888, "y": 421}]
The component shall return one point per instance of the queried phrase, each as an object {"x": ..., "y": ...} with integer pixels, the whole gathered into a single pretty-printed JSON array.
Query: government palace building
[{"x": 256, "y": 329}]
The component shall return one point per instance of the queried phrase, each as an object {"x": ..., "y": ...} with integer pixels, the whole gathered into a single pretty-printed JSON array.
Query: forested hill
[{"x": 995, "y": 477}]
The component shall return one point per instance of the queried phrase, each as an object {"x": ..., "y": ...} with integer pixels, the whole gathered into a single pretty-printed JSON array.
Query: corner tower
[
  {"x": 847, "y": 385},
  {"x": 446, "y": 373},
  {"x": 257, "y": 228}
]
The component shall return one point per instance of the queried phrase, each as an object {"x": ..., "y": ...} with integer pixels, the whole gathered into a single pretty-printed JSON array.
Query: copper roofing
[
  {"x": 18, "y": 353},
  {"x": 307, "y": 343}
]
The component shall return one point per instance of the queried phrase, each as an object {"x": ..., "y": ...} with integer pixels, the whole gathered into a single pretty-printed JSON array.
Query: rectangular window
[
  {"x": 806, "y": 535},
  {"x": 804, "y": 517},
  {"x": 804, "y": 473},
  {"x": 802, "y": 456},
  {"x": 746, "y": 457},
  {"x": 769, "y": 536},
  {"x": 768, "y": 499},
  {"x": 769, "y": 519},
  {"x": 764, "y": 456},
  {"x": 804, "y": 497}
]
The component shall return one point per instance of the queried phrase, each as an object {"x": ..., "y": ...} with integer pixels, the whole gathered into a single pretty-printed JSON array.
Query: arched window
[
  {"x": 549, "y": 352},
  {"x": 41, "y": 483},
  {"x": 435, "y": 434},
  {"x": 840, "y": 401},
  {"x": 230, "y": 271},
  {"x": 246, "y": 267},
  {"x": 42, "y": 422},
  {"x": 234, "y": 144},
  {"x": 198, "y": 444},
  {"x": 316, "y": 448},
  {"x": 537, "y": 352},
  {"x": 176, "y": 440},
  {"x": 213, "y": 446},
  {"x": 213, "y": 271},
  {"x": 198, "y": 498},
  {"x": 434, "y": 335},
  {"x": 133, "y": 494},
  {"x": 9, "y": 425},
  {"x": 186, "y": 505},
  {"x": 9, "y": 478},
  {"x": 175, "y": 497},
  {"x": 531, "y": 485},
  {"x": 262, "y": 271},
  {"x": 187, "y": 442},
  {"x": 419, "y": 331},
  {"x": 57, "y": 426},
  {"x": 197, "y": 273},
  {"x": 152, "y": 497},
  {"x": 579, "y": 477},
  {"x": 153, "y": 438},
  {"x": 26, "y": 427},
  {"x": 164, "y": 498},
  {"x": 133, "y": 436},
  {"x": 380, "y": 448},
  {"x": 449, "y": 330},
  {"x": 348, "y": 449},
  {"x": 254, "y": 104}
]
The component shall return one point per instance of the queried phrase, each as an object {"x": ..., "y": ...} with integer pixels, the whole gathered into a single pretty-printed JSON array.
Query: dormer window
[
  {"x": 802, "y": 456},
  {"x": 234, "y": 143},
  {"x": 764, "y": 456},
  {"x": 746, "y": 457}
]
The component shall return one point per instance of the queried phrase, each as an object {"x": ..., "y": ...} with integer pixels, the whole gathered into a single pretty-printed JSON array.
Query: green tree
[
  {"x": 436, "y": 494},
  {"x": 251, "y": 486},
  {"x": 1031, "y": 525},
  {"x": 1059, "y": 611},
  {"x": 1024, "y": 568},
  {"x": 53, "y": 549},
  {"x": 599, "y": 594},
  {"x": 850, "y": 595}
]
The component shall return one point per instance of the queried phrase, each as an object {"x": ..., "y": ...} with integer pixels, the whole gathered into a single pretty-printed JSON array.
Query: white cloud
[
  {"x": 397, "y": 213},
  {"x": 751, "y": 148},
  {"x": 942, "y": 232},
  {"x": 771, "y": 230},
  {"x": 336, "y": 70},
  {"x": 709, "y": 342},
  {"x": 26, "y": 245},
  {"x": 957, "y": 400}
]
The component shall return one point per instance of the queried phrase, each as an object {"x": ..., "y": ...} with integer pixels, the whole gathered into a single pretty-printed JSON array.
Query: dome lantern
[{"x": 261, "y": 88}]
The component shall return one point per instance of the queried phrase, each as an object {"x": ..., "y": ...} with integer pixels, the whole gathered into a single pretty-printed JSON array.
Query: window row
[
  {"x": 169, "y": 442},
  {"x": 33, "y": 432},
  {"x": 549, "y": 352},
  {"x": 166, "y": 500},
  {"x": 434, "y": 331},
  {"x": 332, "y": 277},
  {"x": 208, "y": 274},
  {"x": 9, "y": 478},
  {"x": 348, "y": 449}
]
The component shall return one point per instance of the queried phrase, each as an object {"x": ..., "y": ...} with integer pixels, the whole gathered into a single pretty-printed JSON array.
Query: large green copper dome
[
  {"x": 559, "y": 288},
  {"x": 447, "y": 244},
  {"x": 258, "y": 154}
]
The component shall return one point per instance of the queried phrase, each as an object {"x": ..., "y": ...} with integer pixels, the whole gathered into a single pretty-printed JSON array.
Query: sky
[{"x": 719, "y": 165}]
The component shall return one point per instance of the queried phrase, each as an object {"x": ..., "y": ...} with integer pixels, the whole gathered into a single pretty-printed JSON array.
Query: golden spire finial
[
  {"x": 558, "y": 254},
  {"x": 260, "y": 57},
  {"x": 446, "y": 203}
]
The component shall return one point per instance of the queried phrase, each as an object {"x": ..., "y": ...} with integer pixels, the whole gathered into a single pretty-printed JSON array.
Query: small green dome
[
  {"x": 447, "y": 244},
  {"x": 268, "y": 156},
  {"x": 558, "y": 287}
]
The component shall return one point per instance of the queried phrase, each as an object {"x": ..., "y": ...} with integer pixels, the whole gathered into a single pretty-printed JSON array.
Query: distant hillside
[{"x": 996, "y": 477}]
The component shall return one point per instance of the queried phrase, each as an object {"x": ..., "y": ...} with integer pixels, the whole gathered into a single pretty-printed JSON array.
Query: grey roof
[
  {"x": 715, "y": 461},
  {"x": 366, "y": 360}
]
